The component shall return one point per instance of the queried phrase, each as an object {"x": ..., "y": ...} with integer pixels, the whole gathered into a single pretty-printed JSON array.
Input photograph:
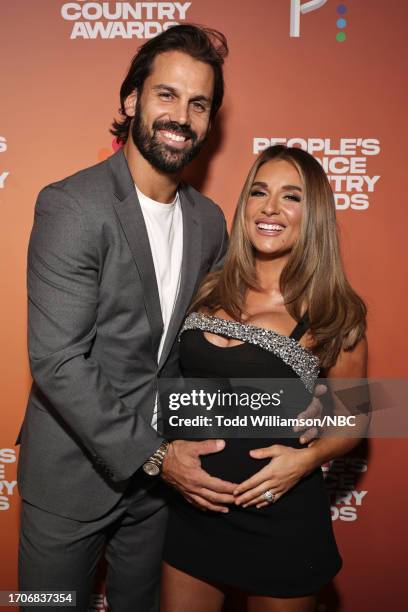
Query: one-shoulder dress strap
[
  {"x": 300, "y": 359},
  {"x": 301, "y": 328}
]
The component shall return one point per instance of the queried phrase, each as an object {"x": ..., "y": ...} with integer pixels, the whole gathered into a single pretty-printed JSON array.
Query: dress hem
[{"x": 289, "y": 593}]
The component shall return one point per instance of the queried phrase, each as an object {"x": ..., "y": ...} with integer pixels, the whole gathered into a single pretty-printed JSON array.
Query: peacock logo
[{"x": 299, "y": 8}]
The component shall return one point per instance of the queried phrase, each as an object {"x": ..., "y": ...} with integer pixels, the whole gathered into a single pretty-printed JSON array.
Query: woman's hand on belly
[{"x": 287, "y": 466}]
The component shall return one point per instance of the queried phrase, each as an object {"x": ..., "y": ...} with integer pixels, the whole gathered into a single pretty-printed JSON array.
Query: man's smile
[{"x": 176, "y": 140}]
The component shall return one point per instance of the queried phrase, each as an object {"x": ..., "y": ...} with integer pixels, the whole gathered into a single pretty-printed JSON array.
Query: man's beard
[{"x": 159, "y": 154}]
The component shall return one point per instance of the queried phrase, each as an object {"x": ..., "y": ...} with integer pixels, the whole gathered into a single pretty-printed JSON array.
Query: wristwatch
[{"x": 153, "y": 465}]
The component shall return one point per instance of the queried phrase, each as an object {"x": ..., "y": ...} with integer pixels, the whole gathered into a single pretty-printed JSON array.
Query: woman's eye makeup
[
  {"x": 292, "y": 196},
  {"x": 257, "y": 193}
]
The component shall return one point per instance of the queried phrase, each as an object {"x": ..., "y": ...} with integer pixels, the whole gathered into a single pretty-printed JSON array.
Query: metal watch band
[{"x": 158, "y": 456}]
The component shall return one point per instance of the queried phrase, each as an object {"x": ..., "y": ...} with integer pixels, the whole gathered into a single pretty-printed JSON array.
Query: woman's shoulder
[{"x": 351, "y": 362}]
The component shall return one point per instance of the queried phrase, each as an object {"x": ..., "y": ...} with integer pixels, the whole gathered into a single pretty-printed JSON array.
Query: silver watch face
[{"x": 151, "y": 468}]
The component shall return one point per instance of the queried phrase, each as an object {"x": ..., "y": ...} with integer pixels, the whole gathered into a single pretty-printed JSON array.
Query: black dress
[{"x": 286, "y": 549}]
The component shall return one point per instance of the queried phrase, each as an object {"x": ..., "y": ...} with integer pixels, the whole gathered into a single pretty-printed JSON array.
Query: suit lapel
[
  {"x": 189, "y": 268},
  {"x": 130, "y": 215}
]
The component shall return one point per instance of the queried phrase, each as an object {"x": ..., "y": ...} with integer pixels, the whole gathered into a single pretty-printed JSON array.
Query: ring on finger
[{"x": 269, "y": 496}]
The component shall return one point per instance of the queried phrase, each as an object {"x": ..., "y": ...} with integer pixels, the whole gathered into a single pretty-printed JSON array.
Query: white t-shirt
[{"x": 164, "y": 224}]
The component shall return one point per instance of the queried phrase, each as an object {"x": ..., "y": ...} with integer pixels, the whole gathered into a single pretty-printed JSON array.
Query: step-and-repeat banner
[{"x": 325, "y": 75}]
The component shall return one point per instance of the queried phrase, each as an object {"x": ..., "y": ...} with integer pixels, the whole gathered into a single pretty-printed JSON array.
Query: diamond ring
[{"x": 269, "y": 496}]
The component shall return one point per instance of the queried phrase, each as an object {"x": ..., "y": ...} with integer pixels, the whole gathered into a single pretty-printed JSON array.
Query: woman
[{"x": 283, "y": 274}]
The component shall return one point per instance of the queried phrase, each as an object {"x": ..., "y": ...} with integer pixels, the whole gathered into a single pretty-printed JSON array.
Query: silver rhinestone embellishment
[{"x": 300, "y": 359}]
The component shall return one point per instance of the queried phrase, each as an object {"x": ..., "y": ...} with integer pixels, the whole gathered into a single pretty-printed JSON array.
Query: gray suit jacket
[{"x": 94, "y": 330}]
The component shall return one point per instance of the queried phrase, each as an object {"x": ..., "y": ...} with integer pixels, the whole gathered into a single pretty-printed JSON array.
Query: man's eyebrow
[
  {"x": 198, "y": 98},
  {"x": 201, "y": 98},
  {"x": 164, "y": 86}
]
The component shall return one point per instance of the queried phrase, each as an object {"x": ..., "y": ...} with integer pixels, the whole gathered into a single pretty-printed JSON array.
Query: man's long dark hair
[{"x": 203, "y": 44}]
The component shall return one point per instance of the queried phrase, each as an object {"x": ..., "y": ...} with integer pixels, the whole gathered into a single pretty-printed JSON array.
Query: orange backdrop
[{"x": 336, "y": 86}]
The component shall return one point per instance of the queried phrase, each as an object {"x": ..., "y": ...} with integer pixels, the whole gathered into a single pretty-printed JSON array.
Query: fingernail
[
  {"x": 302, "y": 440},
  {"x": 219, "y": 444},
  {"x": 235, "y": 492}
]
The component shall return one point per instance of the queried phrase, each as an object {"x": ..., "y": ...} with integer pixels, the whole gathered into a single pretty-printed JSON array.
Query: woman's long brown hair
[{"x": 313, "y": 279}]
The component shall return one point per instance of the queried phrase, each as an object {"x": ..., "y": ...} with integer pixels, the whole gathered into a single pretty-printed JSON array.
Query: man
[{"x": 116, "y": 254}]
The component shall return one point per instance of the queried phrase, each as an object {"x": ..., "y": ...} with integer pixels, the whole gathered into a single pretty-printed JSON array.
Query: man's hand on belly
[
  {"x": 313, "y": 411},
  {"x": 182, "y": 470}
]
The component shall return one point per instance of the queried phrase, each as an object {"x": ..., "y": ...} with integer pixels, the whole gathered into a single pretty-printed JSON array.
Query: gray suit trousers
[{"x": 62, "y": 554}]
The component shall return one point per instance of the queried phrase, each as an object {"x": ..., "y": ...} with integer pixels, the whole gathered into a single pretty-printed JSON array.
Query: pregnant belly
[{"x": 234, "y": 463}]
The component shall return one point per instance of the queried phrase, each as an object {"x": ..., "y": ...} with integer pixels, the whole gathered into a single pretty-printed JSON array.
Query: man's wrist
[{"x": 153, "y": 465}]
